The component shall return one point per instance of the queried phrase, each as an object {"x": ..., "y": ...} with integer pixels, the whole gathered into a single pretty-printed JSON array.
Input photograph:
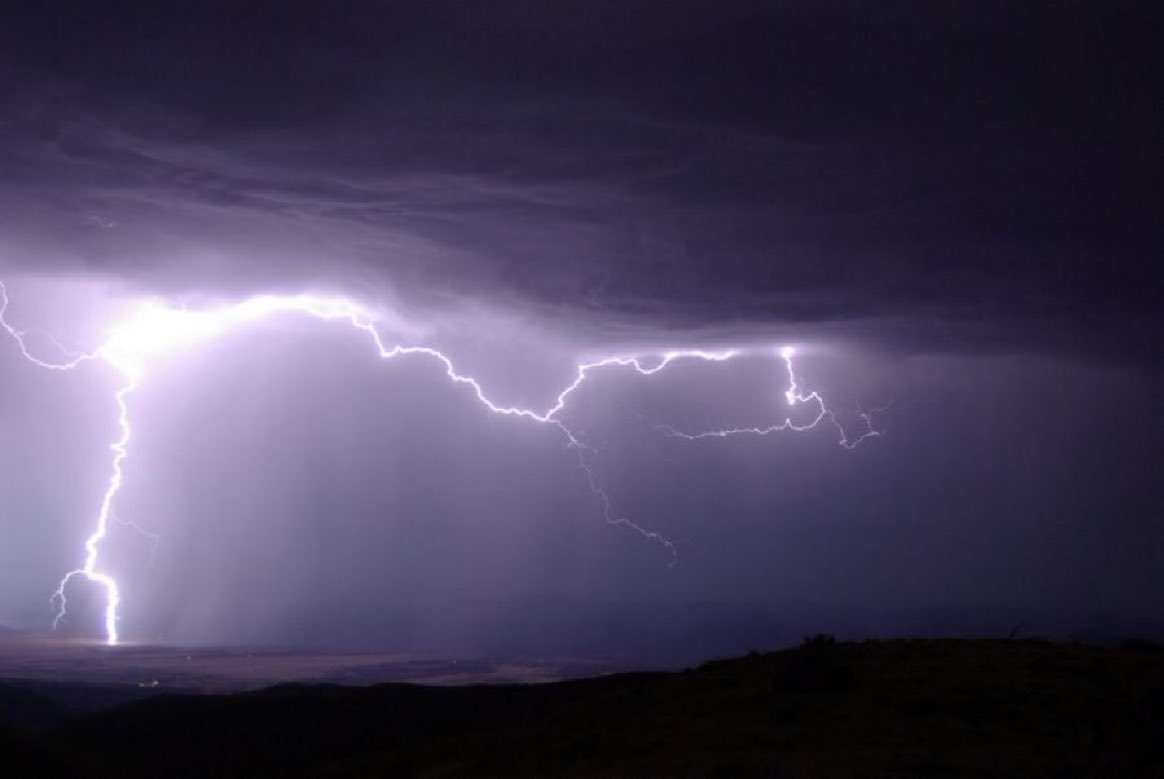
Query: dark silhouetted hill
[{"x": 894, "y": 708}]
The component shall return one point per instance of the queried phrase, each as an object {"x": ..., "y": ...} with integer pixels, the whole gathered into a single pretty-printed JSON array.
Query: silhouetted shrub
[
  {"x": 819, "y": 641},
  {"x": 815, "y": 667}
]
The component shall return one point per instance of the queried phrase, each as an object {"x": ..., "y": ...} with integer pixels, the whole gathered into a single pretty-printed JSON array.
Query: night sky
[{"x": 952, "y": 211}]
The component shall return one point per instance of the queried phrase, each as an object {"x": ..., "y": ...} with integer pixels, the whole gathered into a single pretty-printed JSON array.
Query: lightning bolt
[
  {"x": 794, "y": 397},
  {"x": 72, "y": 360},
  {"x": 155, "y": 330}
]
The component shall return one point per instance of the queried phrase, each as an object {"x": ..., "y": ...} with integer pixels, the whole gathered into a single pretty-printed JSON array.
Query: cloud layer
[{"x": 982, "y": 176}]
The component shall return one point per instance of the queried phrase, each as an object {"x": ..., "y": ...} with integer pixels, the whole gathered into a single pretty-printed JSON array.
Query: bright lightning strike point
[{"x": 155, "y": 330}]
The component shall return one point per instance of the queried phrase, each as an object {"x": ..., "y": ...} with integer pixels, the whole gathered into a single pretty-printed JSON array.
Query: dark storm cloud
[{"x": 985, "y": 173}]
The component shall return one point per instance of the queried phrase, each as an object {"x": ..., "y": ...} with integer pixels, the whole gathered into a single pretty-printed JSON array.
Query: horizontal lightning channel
[
  {"x": 794, "y": 397},
  {"x": 154, "y": 330}
]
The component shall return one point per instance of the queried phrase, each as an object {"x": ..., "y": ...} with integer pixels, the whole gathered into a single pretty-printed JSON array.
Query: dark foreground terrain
[{"x": 892, "y": 708}]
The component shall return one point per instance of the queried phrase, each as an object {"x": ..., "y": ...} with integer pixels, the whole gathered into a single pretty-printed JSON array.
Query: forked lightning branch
[{"x": 154, "y": 329}]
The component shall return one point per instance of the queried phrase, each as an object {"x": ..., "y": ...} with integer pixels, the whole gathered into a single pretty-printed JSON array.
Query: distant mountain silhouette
[{"x": 906, "y": 707}]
